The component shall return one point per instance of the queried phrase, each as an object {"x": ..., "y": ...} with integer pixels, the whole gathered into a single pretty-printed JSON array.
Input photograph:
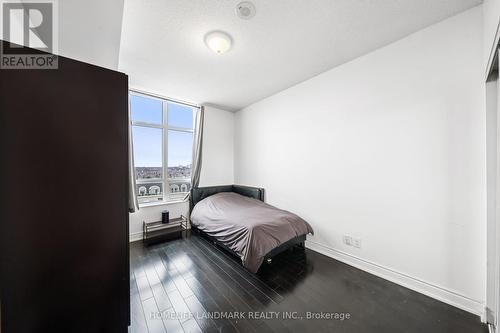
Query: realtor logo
[{"x": 29, "y": 34}]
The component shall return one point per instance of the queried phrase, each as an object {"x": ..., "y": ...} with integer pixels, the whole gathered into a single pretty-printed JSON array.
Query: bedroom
[{"x": 369, "y": 127}]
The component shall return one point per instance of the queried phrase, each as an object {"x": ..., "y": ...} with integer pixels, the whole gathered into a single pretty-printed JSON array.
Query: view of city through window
[
  {"x": 150, "y": 136},
  {"x": 179, "y": 179}
]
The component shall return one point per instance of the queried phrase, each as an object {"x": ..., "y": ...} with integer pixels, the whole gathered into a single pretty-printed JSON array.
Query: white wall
[
  {"x": 217, "y": 167},
  {"x": 491, "y": 14},
  {"x": 389, "y": 148},
  {"x": 90, "y": 31}
]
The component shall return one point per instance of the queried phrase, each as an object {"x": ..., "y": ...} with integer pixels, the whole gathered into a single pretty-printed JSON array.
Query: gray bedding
[{"x": 249, "y": 227}]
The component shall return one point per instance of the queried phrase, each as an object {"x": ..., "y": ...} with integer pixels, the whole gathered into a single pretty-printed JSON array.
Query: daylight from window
[{"x": 162, "y": 133}]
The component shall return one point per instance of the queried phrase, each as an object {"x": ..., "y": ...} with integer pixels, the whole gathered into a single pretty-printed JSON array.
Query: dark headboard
[{"x": 200, "y": 193}]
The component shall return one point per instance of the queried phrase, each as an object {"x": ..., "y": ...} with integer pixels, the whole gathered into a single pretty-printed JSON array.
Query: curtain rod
[{"x": 165, "y": 98}]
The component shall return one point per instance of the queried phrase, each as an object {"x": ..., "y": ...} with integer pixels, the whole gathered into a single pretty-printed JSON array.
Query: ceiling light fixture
[{"x": 218, "y": 41}]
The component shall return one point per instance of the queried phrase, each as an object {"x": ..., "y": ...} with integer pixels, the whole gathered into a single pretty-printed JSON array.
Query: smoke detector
[{"x": 245, "y": 10}]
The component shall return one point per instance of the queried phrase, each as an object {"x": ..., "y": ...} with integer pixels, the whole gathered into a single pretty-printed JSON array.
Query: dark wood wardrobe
[{"x": 64, "y": 262}]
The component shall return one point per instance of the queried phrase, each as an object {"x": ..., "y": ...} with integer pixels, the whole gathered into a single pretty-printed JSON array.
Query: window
[{"x": 162, "y": 131}]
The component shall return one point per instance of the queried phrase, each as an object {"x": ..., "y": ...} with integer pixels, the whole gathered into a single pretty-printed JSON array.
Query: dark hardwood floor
[{"x": 176, "y": 286}]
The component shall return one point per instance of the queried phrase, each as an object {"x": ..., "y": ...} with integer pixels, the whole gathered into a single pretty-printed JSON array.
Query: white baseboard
[
  {"x": 442, "y": 294},
  {"x": 135, "y": 236}
]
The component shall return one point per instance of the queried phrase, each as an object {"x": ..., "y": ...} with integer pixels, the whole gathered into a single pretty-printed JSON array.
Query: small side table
[{"x": 154, "y": 232}]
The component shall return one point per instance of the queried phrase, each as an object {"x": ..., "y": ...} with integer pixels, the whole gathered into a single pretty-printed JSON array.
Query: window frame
[{"x": 165, "y": 128}]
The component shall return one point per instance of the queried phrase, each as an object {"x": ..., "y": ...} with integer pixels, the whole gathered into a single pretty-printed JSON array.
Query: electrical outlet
[
  {"x": 347, "y": 240},
  {"x": 356, "y": 243}
]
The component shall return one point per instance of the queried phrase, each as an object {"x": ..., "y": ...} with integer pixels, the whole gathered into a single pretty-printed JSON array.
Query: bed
[{"x": 237, "y": 219}]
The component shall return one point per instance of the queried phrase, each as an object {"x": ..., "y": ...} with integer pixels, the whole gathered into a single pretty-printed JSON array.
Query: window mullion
[
  {"x": 180, "y": 129},
  {"x": 166, "y": 185},
  {"x": 145, "y": 124}
]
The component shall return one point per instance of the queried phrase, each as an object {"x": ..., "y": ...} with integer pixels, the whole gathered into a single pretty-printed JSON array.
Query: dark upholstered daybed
[{"x": 236, "y": 218}]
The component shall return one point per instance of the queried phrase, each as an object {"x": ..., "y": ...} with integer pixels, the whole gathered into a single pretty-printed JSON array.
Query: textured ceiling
[{"x": 288, "y": 41}]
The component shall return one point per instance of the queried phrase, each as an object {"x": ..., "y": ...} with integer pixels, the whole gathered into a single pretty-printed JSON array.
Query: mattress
[{"x": 249, "y": 227}]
